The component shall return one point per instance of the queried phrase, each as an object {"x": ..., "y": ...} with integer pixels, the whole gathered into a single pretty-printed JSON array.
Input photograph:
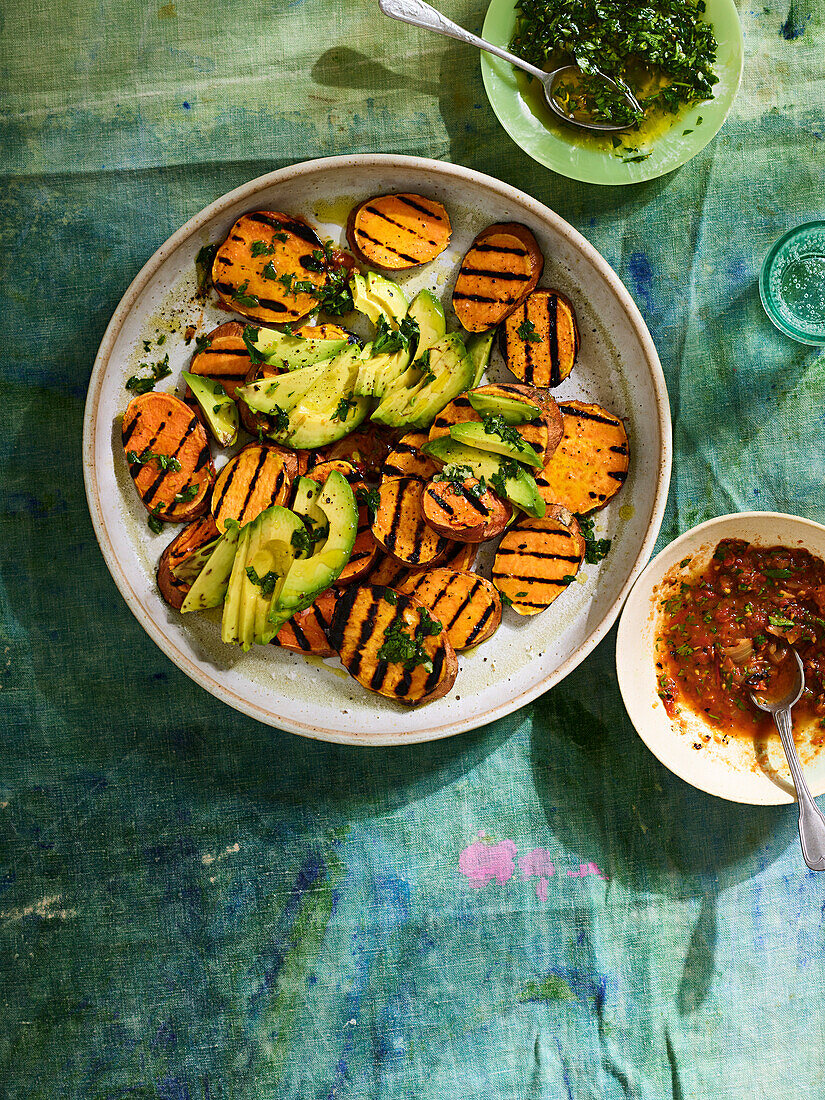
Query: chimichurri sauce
[{"x": 722, "y": 635}]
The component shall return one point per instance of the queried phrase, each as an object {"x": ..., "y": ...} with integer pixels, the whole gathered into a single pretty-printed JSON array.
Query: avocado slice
[
  {"x": 428, "y": 313},
  {"x": 388, "y": 295},
  {"x": 510, "y": 445},
  {"x": 294, "y": 352},
  {"x": 479, "y": 346},
  {"x": 230, "y": 622},
  {"x": 308, "y": 577},
  {"x": 209, "y": 587},
  {"x": 305, "y": 505},
  {"x": 511, "y": 410},
  {"x": 377, "y": 372},
  {"x": 518, "y": 486},
  {"x": 193, "y": 564},
  {"x": 218, "y": 408},
  {"x": 274, "y": 395},
  {"x": 280, "y": 540},
  {"x": 330, "y": 410},
  {"x": 448, "y": 372},
  {"x": 376, "y": 297}
]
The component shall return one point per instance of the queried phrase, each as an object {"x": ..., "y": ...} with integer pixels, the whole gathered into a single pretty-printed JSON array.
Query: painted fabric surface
[{"x": 195, "y": 906}]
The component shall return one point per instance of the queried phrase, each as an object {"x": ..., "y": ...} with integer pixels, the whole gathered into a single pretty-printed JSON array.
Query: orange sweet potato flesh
[
  {"x": 224, "y": 357},
  {"x": 590, "y": 463},
  {"x": 306, "y": 631},
  {"x": 258, "y": 477},
  {"x": 467, "y": 606},
  {"x": 540, "y": 339},
  {"x": 159, "y": 424},
  {"x": 398, "y": 231},
  {"x": 503, "y": 265},
  {"x": 256, "y": 268}
]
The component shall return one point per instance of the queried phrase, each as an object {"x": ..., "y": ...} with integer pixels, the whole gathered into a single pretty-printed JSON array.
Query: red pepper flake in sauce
[{"x": 722, "y": 633}]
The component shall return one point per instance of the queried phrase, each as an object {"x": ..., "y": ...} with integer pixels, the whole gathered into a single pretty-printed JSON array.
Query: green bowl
[
  {"x": 519, "y": 104},
  {"x": 792, "y": 284}
]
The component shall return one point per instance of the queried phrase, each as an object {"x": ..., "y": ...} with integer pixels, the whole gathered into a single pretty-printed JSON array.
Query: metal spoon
[
  {"x": 811, "y": 818},
  {"x": 419, "y": 14}
]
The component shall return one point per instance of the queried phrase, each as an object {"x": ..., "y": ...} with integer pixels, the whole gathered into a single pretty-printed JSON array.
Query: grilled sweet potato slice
[
  {"x": 466, "y": 605},
  {"x": 168, "y": 456},
  {"x": 367, "y": 449},
  {"x": 540, "y": 338},
  {"x": 503, "y": 265},
  {"x": 194, "y": 536},
  {"x": 407, "y": 459},
  {"x": 398, "y": 231},
  {"x": 459, "y": 556},
  {"x": 590, "y": 464},
  {"x": 399, "y": 525},
  {"x": 542, "y": 435},
  {"x": 384, "y": 641},
  {"x": 224, "y": 357},
  {"x": 535, "y": 559},
  {"x": 464, "y": 510},
  {"x": 306, "y": 631},
  {"x": 365, "y": 549},
  {"x": 387, "y": 571},
  {"x": 258, "y": 265},
  {"x": 257, "y": 477}
]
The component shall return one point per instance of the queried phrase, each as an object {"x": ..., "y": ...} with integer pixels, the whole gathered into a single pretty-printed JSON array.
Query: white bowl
[
  {"x": 617, "y": 367},
  {"x": 751, "y": 770}
]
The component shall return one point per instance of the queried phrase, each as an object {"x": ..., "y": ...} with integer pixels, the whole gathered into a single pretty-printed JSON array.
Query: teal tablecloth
[{"x": 193, "y": 906}]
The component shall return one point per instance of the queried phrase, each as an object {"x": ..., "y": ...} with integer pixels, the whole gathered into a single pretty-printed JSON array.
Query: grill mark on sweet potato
[
  {"x": 407, "y": 201},
  {"x": 154, "y": 488},
  {"x": 499, "y": 248},
  {"x": 465, "y": 603},
  {"x": 571, "y": 410},
  {"x": 385, "y": 246},
  {"x": 242, "y": 354},
  {"x": 298, "y": 229},
  {"x": 461, "y": 297},
  {"x": 505, "y": 276},
  {"x": 541, "y": 562},
  {"x": 253, "y": 481},
  {"x": 553, "y": 337},
  {"x": 129, "y": 430},
  {"x": 398, "y": 225},
  {"x": 367, "y": 628}
]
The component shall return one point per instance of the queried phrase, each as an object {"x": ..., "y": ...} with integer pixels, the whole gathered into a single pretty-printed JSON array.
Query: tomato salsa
[{"x": 724, "y": 633}]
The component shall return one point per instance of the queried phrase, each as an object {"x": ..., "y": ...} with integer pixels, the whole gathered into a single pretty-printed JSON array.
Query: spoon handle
[
  {"x": 419, "y": 14},
  {"x": 811, "y": 818}
]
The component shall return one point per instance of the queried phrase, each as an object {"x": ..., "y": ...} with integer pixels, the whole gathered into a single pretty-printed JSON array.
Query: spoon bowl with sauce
[
  {"x": 419, "y": 14},
  {"x": 786, "y": 692}
]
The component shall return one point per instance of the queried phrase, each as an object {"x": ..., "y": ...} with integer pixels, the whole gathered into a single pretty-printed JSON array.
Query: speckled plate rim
[
  {"x": 246, "y": 193},
  {"x": 549, "y": 148},
  {"x": 635, "y": 661}
]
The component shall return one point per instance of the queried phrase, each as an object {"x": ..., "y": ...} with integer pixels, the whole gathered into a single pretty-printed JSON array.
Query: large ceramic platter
[{"x": 618, "y": 367}]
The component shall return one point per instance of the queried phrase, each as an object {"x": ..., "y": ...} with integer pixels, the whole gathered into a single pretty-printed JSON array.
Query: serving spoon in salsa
[
  {"x": 791, "y": 684},
  {"x": 558, "y": 84}
]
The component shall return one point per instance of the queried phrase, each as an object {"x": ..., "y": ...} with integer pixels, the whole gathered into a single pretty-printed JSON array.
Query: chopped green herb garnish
[
  {"x": 370, "y": 498},
  {"x": 316, "y": 261},
  {"x": 781, "y": 621},
  {"x": 266, "y": 583},
  {"x": 778, "y": 574},
  {"x": 250, "y": 335},
  {"x": 344, "y": 405},
  {"x": 155, "y": 522},
  {"x": 159, "y": 370},
  {"x": 594, "y": 549},
  {"x": 527, "y": 331},
  {"x": 243, "y": 298},
  {"x": 497, "y": 425},
  {"x": 187, "y": 494},
  {"x": 203, "y": 267},
  {"x": 165, "y": 462},
  {"x": 279, "y": 418}
]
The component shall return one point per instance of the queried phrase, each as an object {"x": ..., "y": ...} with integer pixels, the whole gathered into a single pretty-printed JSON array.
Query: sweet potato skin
[{"x": 464, "y": 512}]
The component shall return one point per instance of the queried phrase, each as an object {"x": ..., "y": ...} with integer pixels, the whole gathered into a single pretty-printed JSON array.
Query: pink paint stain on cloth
[
  {"x": 539, "y": 863},
  {"x": 482, "y": 862},
  {"x": 586, "y": 869}
]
